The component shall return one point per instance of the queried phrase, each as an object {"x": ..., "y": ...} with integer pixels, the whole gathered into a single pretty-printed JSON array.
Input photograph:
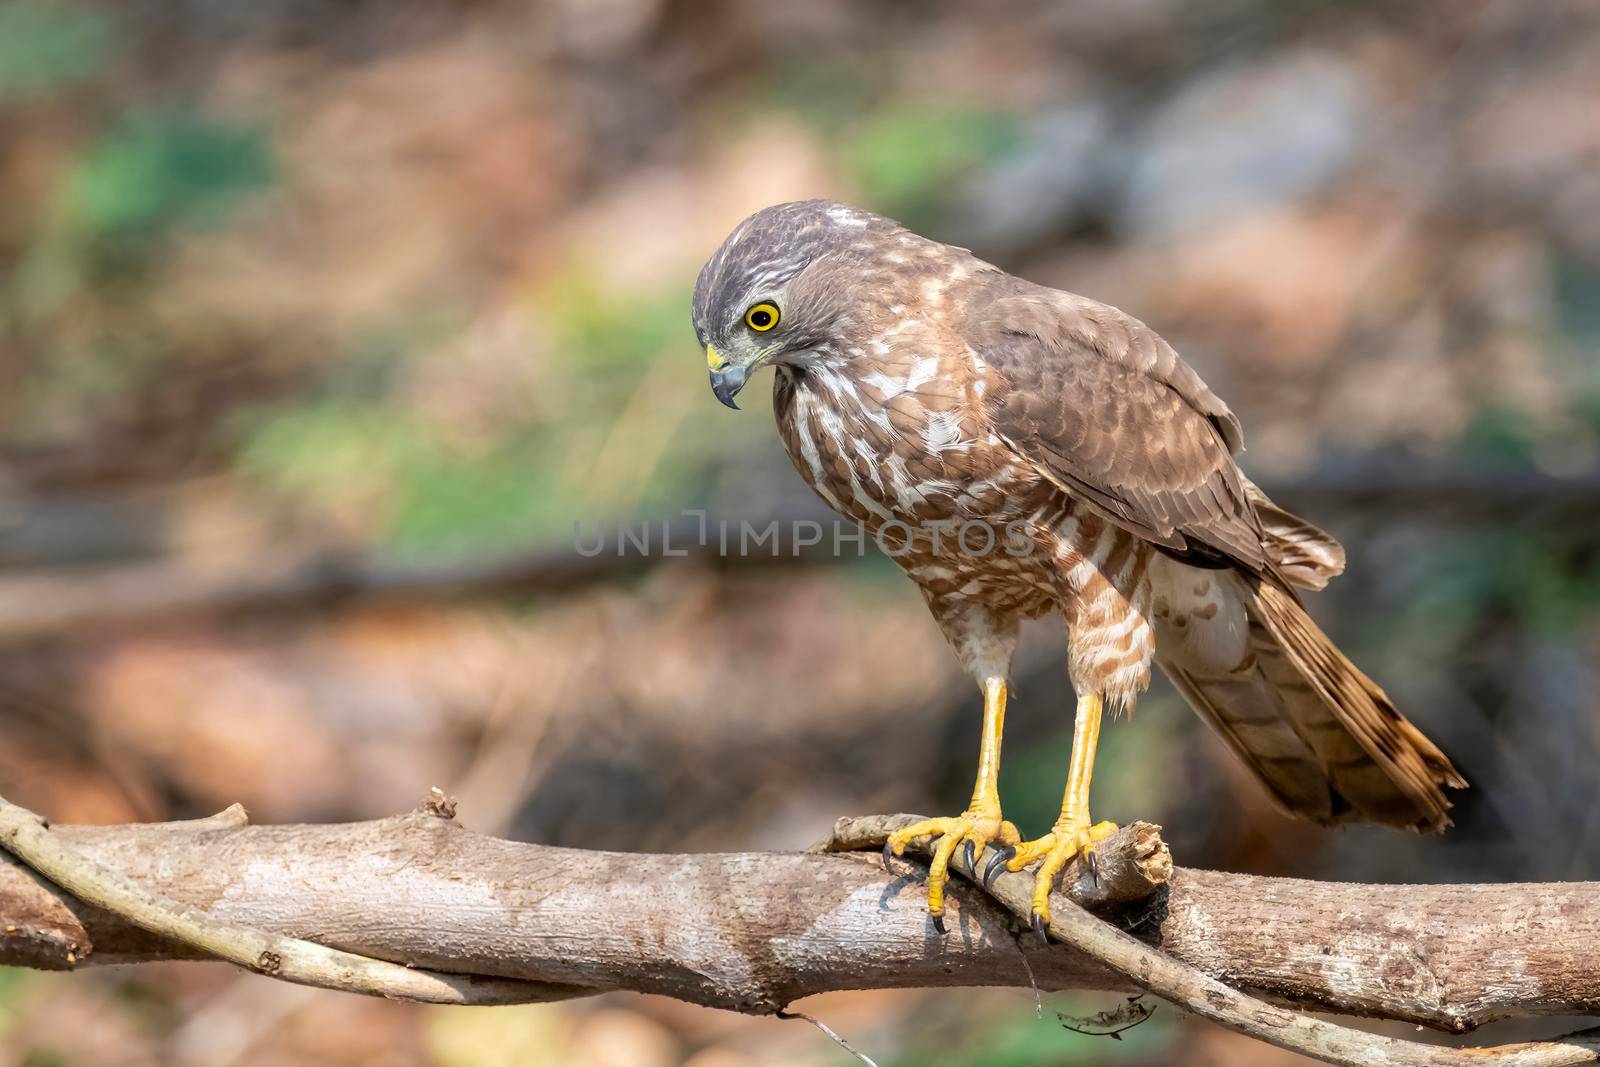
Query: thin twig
[
  {"x": 1033, "y": 984},
  {"x": 825, "y": 1028},
  {"x": 1195, "y": 991}
]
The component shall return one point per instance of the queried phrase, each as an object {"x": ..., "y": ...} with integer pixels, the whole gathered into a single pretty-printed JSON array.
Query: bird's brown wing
[{"x": 1104, "y": 408}]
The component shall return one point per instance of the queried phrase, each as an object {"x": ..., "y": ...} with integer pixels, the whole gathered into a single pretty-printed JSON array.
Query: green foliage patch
[
  {"x": 44, "y": 47},
  {"x": 162, "y": 168}
]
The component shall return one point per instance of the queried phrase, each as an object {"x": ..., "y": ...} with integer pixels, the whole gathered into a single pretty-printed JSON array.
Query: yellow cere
[{"x": 713, "y": 360}]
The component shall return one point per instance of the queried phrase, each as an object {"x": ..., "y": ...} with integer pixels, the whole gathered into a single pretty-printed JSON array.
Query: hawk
[{"x": 926, "y": 394}]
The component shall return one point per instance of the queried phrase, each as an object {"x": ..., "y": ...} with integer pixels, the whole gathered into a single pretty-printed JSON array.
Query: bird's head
[{"x": 780, "y": 289}]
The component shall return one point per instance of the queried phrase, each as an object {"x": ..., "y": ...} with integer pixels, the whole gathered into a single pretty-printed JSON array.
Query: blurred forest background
[{"x": 320, "y": 324}]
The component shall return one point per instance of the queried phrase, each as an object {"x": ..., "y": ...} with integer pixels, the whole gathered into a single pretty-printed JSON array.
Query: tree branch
[
  {"x": 753, "y": 932},
  {"x": 291, "y": 959},
  {"x": 51, "y": 602},
  {"x": 1188, "y": 987}
]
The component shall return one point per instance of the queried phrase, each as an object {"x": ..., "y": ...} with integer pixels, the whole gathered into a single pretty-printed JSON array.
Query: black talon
[
  {"x": 1094, "y": 868},
  {"x": 1039, "y": 928},
  {"x": 997, "y": 861},
  {"x": 938, "y": 922},
  {"x": 888, "y": 856},
  {"x": 972, "y": 855}
]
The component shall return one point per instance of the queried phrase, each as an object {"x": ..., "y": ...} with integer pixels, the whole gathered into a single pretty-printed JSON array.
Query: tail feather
[
  {"x": 1304, "y": 554},
  {"x": 1400, "y": 762},
  {"x": 1322, "y": 737}
]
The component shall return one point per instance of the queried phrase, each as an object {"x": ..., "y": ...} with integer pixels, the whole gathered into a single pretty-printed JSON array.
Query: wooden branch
[
  {"x": 48, "y": 603},
  {"x": 291, "y": 959},
  {"x": 1192, "y": 989},
  {"x": 753, "y": 932}
]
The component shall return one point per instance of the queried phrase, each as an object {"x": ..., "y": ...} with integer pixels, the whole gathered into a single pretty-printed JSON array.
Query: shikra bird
[{"x": 1022, "y": 452}]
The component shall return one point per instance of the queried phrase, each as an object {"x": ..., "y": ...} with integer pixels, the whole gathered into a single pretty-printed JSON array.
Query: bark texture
[{"x": 754, "y": 931}]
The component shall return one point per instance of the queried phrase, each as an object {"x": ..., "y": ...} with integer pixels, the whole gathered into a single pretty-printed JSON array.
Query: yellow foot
[
  {"x": 1056, "y": 849},
  {"x": 976, "y": 828}
]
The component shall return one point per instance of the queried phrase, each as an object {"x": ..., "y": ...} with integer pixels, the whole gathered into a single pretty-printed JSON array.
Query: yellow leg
[
  {"x": 1073, "y": 834},
  {"x": 980, "y": 823}
]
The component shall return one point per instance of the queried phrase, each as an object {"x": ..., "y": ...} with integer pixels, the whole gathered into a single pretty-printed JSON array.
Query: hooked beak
[{"x": 726, "y": 379}]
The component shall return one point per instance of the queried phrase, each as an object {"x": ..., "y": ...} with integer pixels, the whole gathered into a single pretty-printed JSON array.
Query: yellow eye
[{"x": 762, "y": 317}]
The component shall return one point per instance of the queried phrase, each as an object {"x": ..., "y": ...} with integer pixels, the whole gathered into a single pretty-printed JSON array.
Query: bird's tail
[
  {"x": 1319, "y": 734},
  {"x": 1304, "y": 554}
]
